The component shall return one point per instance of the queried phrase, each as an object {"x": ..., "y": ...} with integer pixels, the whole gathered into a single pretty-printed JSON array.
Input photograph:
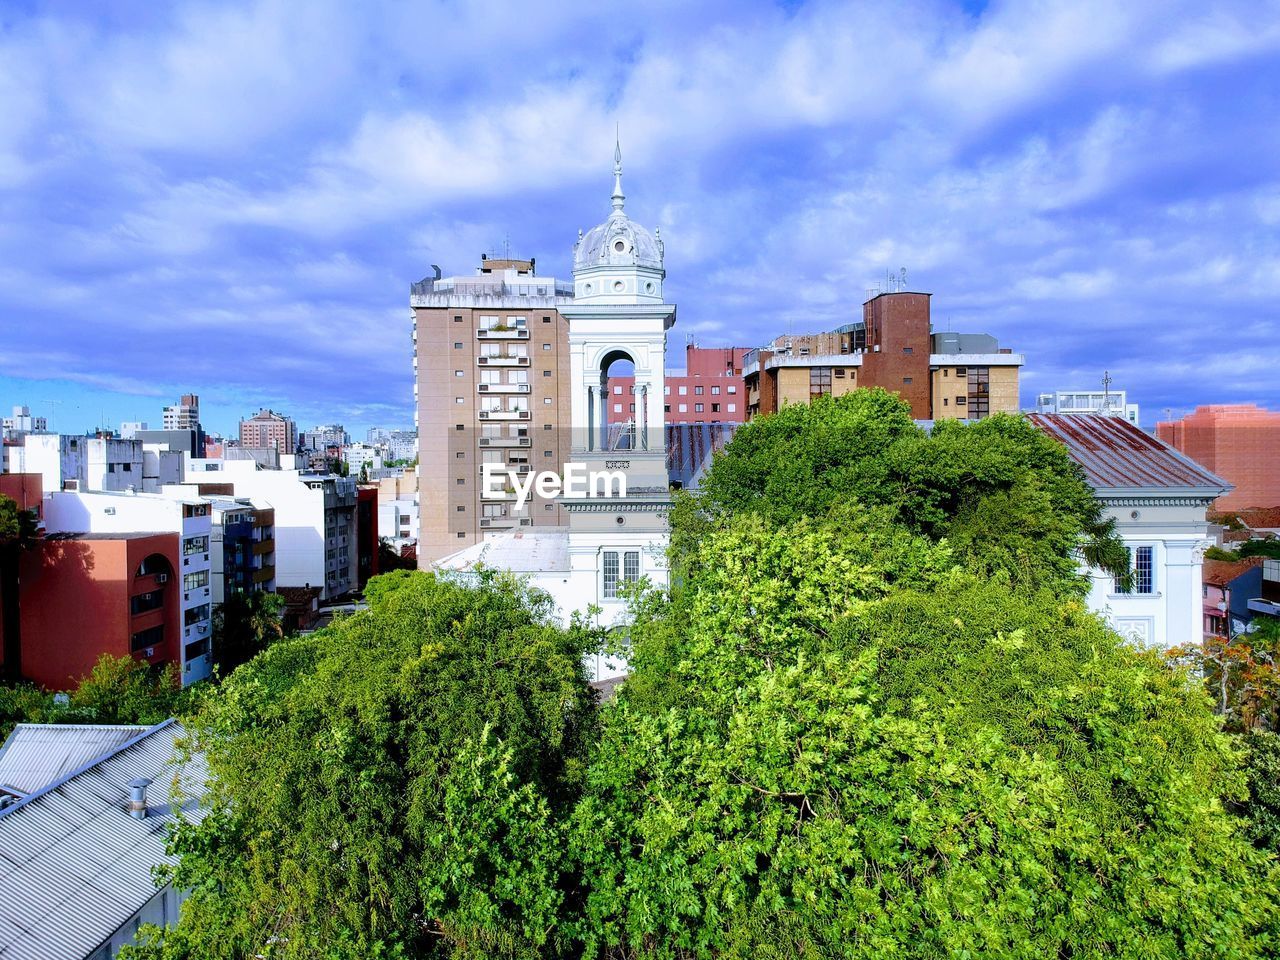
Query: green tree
[
  {"x": 837, "y": 744},
  {"x": 393, "y": 785},
  {"x": 17, "y": 533},
  {"x": 1005, "y": 494},
  {"x": 243, "y": 626}
]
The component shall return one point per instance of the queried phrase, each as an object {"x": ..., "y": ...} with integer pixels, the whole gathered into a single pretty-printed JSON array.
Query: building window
[
  {"x": 546, "y": 346},
  {"x": 462, "y": 509},
  {"x": 617, "y": 391},
  {"x": 460, "y": 427},
  {"x": 195, "y": 615},
  {"x": 684, "y": 408},
  {"x": 732, "y": 389},
  {"x": 459, "y": 373},
  {"x": 194, "y": 581},
  {"x": 546, "y": 319},
  {"x": 961, "y": 401},
  {"x": 697, "y": 408},
  {"x": 631, "y": 566},
  {"x": 908, "y": 350},
  {"x": 906, "y": 379},
  {"x": 462, "y": 481},
  {"x": 666, "y": 391},
  {"x": 979, "y": 392},
  {"x": 819, "y": 381},
  {"x": 461, "y": 534},
  {"x": 684, "y": 391},
  {"x": 697, "y": 391},
  {"x": 666, "y": 408},
  {"x": 546, "y": 426},
  {"x": 715, "y": 408},
  {"x": 610, "y": 574},
  {"x": 617, "y": 408},
  {"x": 145, "y": 602},
  {"x": 548, "y": 506},
  {"x": 151, "y": 637},
  {"x": 1142, "y": 568},
  {"x": 715, "y": 391},
  {"x": 457, "y": 344},
  {"x": 194, "y": 545},
  {"x": 546, "y": 373},
  {"x": 733, "y": 408}
]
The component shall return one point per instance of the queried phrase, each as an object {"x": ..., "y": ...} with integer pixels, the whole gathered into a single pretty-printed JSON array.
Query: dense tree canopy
[
  {"x": 393, "y": 784},
  {"x": 871, "y": 718}
]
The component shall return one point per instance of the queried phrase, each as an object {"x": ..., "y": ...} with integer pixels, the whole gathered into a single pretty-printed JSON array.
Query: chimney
[{"x": 138, "y": 797}]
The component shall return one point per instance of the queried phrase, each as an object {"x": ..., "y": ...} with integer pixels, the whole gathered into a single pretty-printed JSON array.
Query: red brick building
[
  {"x": 711, "y": 389},
  {"x": 84, "y": 595},
  {"x": 1238, "y": 442}
]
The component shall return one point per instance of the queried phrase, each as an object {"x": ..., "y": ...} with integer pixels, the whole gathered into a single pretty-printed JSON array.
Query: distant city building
[
  {"x": 270, "y": 430},
  {"x": 96, "y": 463},
  {"x": 183, "y": 585},
  {"x": 377, "y": 435},
  {"x": 1114, "y": 403},
  {"x": 243, "y": 558},
  {"x": 315, "y": 519},
  {"x": 398, "y": 508},
  {"x": 183, "y": 415},
  {"x": 22, "y": 423},
  {"x": 360, "y": 456},
  {"x": 402, "y": 445},
  {"x": 1158, "y": 499},
  {"x": 1240, "y": 443},
  {"x": 940, "y": 375},
  {"x": 130, "y": 428},
  {"x": 492, "y": 375},
  {"x": 326, "y": 435},
  {"x": 710, "y": 389}
]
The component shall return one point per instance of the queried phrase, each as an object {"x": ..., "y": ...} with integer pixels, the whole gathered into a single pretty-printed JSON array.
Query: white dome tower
[{"x": 618, "y": 261}]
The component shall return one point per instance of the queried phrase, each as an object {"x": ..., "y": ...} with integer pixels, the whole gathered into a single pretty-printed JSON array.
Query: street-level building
[
  {"x": 1159, "y": 499},
  {"x": 190, "y": 518},
  {"x": 315, "y": 519},
  {"x": 492, "y": 384},
  {"x": 88, "y": 594}
]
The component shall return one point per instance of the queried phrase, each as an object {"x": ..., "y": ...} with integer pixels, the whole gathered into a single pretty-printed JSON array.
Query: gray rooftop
[
  {"x": 37, "y": 754},
  {"x": 74, "y": 865}
]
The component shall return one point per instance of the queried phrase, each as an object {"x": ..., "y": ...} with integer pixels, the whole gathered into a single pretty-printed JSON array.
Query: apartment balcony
[
  {"x": 263, "y": 547},
  {"x": 504, "y": 414},
  {"x": 265, "y": 575},
  {"x": 506, "y": 441},
  {"x": 501, "y": 523},
  {"x": 498, "y": 496},
  {"x": 503, "y": 361},
  {"x": 502, "y": 387},
  {"x": 499, "y": 334}
]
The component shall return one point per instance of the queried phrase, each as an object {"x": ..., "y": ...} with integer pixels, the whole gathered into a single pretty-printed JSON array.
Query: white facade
[
  {"x": 1166, "y": 537},
  {"x": 96, "y": 463},
  {"x": 315, "y": 520},
  {"x": 21, "y": 423},
  {"x": 189, "y": 517},
  {"x": 1111, "y": 402},
  {"x": 362, "y": 455},
  {"x": 398, "y": 520}
]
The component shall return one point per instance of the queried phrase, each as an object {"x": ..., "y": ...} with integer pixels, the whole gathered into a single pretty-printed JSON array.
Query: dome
[{"x": 619, "y": 241}]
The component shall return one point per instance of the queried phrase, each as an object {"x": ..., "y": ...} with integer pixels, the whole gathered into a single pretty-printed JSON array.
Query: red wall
[
  {"x": 704, "y": 367},
  {"x": 75, "y": 604},
  {"x": 897, "y": 323},
  {"x": 1238, "y": 442}
]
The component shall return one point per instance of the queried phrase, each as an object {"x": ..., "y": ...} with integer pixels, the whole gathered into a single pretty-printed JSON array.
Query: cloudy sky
[{"x": 233, "y": 198}]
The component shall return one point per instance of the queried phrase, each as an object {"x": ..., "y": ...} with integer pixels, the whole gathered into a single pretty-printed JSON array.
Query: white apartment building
[
  {"x": 82, "y": 511},
  {"x": 96, "y": 463},
  {"x": 22, "y": 423},
  {"x": 315, "y": 520},
  {"x": 1114, "y": 403},
  {"x": 362, "y": 456}
]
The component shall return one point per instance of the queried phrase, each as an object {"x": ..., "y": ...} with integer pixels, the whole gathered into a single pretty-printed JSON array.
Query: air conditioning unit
[
  {"x": 162, "y": 578},
  {"x": 526, "y": 521},
  {"x": 150, "y": 651}
]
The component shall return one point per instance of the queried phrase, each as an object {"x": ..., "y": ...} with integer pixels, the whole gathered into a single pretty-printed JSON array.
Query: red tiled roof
[
  {"x": 1222, "y": 572},
  {"x": 1117, "y": 455},
  {"x": 1259, "y": 518}
]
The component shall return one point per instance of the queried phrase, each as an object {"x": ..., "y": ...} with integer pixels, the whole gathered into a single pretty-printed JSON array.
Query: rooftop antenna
[
  {"x": 1106, "y": 391},
  {"x": 506, "y": 247},
  {"x": 51, "y": 412}
]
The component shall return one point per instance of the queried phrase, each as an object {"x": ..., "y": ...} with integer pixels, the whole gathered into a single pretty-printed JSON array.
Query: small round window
[
  {"x": 618, "y": 286},
  {"x": 648, "y": 288},
  {"x": 620, "y": 245},
  {"x": 586, "y": 288}
]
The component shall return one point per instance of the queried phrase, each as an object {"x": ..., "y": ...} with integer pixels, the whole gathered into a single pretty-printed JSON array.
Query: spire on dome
[{"x": 618, "y": 196}]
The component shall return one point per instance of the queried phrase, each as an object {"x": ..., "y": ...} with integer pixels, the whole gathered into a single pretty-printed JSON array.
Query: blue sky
[{"x": 232, "y": 199}]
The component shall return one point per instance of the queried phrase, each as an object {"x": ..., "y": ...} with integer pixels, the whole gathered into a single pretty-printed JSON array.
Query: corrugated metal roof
[
  {"x": 37, "y": 754},
  {"x": 1116, "y": 455},
  {"x": 74, "y": 865}
]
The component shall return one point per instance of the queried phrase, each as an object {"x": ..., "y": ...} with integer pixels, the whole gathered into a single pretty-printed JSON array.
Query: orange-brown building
[
  {"x": 960, "y": 375},
  {"x": 84, "y": 595},
  {"x": 1238, "y": 442}
]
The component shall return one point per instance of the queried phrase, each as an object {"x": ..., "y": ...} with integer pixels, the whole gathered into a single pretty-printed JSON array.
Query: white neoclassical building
[
  {"x": 1158, "y": 498},
  {"x": 618, "y": 315}
]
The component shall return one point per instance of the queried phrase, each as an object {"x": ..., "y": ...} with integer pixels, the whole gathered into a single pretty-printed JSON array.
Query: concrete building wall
[
  {"x": 76, "y": 595},
  {"x": 1240, "y": 443},
  {"x": 454, "y": 357}
]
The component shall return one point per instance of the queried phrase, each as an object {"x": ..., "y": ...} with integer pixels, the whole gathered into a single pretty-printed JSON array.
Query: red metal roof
[{"x": 1117, "y": 455}]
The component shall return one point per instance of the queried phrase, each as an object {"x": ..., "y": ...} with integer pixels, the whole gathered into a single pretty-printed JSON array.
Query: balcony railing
[
  {"x": 503, "y": 361},
  {"x": 504, "y": 414},
  {"x": 506, "y": 441},
  {"x": 502, "y": 387},
  {"x": 498, "y": 334}
]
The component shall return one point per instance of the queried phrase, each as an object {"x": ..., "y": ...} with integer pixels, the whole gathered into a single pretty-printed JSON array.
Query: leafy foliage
[
  {"x": 1005, "y": 495},
  {"x": 1261, "y": 808},
  {"x": 244, "y": 624},
  {"x": 920, "y": 764},
  {"x": 391, "y": 785}
]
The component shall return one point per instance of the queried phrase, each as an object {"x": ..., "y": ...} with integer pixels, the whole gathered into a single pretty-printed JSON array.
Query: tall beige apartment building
[{"x": 492, "y": 373}]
